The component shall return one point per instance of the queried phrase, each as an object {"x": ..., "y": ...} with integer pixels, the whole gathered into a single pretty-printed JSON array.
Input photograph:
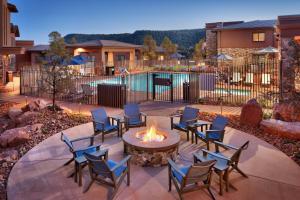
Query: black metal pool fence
[{"x": 233, "y": 85}]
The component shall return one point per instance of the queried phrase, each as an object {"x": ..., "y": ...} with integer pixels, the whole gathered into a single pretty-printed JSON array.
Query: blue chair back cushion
[
  {"x": 133, "y": 112},
  {"x": 118, "y": 172},
  {"x": 99, "y": 115},
  {"x": 183, "y": 169},
  {"x": 189, "y": 113},
  {"x": 67, "y": 141},
  {"x": 89, "y": 151},
  {"x": 219, "y": 123}
]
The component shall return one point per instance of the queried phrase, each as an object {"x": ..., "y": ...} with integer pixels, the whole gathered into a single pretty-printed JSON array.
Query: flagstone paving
[{"x": 40, "y": 174}]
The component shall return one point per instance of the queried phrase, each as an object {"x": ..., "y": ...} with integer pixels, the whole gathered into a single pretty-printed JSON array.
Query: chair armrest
[
  {"x": 174, "y": 167},
  {"x": 176, "y": 115},
  {"x": 190, "y": 121},
  {"x": 91, "y": 138},
  {"x": 88, "y": 148},
  {"x": 225, "y": 145},
  {"x": 215, "y": 155},
  {"x": 122, "y": 162},
  {"x": 144, "y": 114}
]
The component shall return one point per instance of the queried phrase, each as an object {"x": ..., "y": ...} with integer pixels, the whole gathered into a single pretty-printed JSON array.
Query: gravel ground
[{"x": 52, "y": 123}]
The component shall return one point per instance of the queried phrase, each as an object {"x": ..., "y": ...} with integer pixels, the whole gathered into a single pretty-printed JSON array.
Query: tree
[
  {"x": 169, "y": 47},
  {"x": 149, "y": 47},
  {"x": 199, "y": 50},
  {"x": 55, "y": 70},
  {"x": 73, "y": 40}
]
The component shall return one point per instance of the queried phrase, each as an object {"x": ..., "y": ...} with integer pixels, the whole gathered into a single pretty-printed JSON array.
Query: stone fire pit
[{"x": 151, "y": 153}]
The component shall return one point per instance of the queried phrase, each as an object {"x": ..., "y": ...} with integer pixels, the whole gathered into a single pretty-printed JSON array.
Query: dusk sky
[{"x": 37, "y": 18}]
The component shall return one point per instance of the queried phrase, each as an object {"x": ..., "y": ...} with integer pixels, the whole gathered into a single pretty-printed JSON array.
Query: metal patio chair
[
  {"x": 77, "y": 152},
  {"x": 108, "y": 172},
  {"x": 225, "y": 164},
  {"x": 133, "y": 117},
  {"x": 188, "y": 117},
  {"x": 215, "y": 133},
  {"x": 104, "y": 124},
  {"x": 186, "y": 176}
]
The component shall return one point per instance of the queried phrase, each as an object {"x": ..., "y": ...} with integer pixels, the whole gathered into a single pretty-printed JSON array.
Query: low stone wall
[
  {"x": 237, "y": 52},
  {"x": 282, "y": 128},
  {"x": 151, "y": 158}
]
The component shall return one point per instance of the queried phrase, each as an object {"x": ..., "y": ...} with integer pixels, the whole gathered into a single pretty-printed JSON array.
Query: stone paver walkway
[
  {"x": 151, "y": 107},
  {"x": 40, "y": 174}
]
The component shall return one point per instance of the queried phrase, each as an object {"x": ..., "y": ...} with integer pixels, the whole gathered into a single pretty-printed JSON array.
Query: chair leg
[
  {"x": 240, "y": 171},
  {"x": 207, "y": 145},
  {"x": 114, "y": 193},
  {"x": 170, "y": 181},
  {"x": 102, "y": 137},
  {"x": 187, "y": 136},
  {"x": 68, "y": 162},
  {"x": 211, "y": 194},
  {"x": 128, "y": 176},
  {"x": 221, "y": 182},
  {"x": 89, "y": 185}
]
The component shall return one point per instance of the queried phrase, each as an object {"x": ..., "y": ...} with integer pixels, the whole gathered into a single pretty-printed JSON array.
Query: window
[
  {"x": 121, "y": 57},
  {"x": 258, "y": 37}
]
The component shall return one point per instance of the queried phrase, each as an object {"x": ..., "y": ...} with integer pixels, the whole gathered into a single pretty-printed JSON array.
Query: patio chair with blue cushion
[
  {"x": 186, "y": 178},
  {"x": 225, "y": 163},
  {"x": 104, "y": 124},
  {"x": 133, "y": 117},
  {"x": 215, "y": 133},
  {"x": 188, "y": 117},
  {"x": 108, "y": 172},
  {"x": 77, "y": 152}
]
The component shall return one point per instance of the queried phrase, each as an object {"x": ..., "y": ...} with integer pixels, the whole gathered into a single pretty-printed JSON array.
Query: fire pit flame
[{"x": 151, "y": 135}]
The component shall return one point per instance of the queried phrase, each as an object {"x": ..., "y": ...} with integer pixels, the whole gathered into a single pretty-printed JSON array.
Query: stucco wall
[{"x": 243, "y": 38}]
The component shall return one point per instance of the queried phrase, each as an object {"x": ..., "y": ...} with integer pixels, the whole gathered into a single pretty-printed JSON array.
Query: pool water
[
  {"x": 232, "y": 92},
  {"x": 138, "y": 83}
]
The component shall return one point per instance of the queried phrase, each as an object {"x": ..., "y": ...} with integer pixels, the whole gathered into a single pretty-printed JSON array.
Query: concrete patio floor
[{"x": 40, "y": 174}]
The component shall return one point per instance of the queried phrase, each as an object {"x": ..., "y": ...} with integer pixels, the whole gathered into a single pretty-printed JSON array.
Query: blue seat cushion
[
  {"x": 183, "y": 169},
  {"x": 211, "y": 135},
  {"x": 119, "y": 170},
  {"x": 107, "y": 127},
  {"x": 88, "y": 150},
  {"x": 135, "y": 121},
  {"x": 180, "y": 125}
]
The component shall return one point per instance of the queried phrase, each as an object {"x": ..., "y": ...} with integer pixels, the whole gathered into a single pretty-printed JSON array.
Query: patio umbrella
[
  {"x": 176, "y": 56},
  {"x": 223, "y": 57},
  {"x": 78, "y": 60},
  {"x": 268, "y": 50}
]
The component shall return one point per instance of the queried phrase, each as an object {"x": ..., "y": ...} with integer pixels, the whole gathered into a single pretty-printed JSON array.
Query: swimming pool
[
  {"x": 138, "y": 82},
  {"x": 224, "y": 91}
]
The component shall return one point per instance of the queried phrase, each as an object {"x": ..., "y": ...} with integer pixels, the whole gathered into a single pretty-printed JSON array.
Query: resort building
[
  {"x": 8, "y": 46},
  {"x": 241, "y": 39},
  {"x": 107, "y": 53}
]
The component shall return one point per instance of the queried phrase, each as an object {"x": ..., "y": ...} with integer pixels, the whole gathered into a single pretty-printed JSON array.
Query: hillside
[{"x": 184, "y": 38}]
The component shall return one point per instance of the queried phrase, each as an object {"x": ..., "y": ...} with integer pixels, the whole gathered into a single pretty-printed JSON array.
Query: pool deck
[
  {"x": 150, "y": 107},
  {"x": 40, "y": 174}
]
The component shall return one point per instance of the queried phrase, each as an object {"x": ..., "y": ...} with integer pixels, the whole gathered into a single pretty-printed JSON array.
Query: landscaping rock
[
  {"x": 13, "y": 113},
  {"x": 14, "y": 137},
  {"x": 251, "y": 114},
  {"x": 9, "y": 155},
  {"x": 288, "y": 111},
  {"x": 36, "y": 105},
  {"x": 281, "y": 128},
  {"x": 26, "y": 118}
]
